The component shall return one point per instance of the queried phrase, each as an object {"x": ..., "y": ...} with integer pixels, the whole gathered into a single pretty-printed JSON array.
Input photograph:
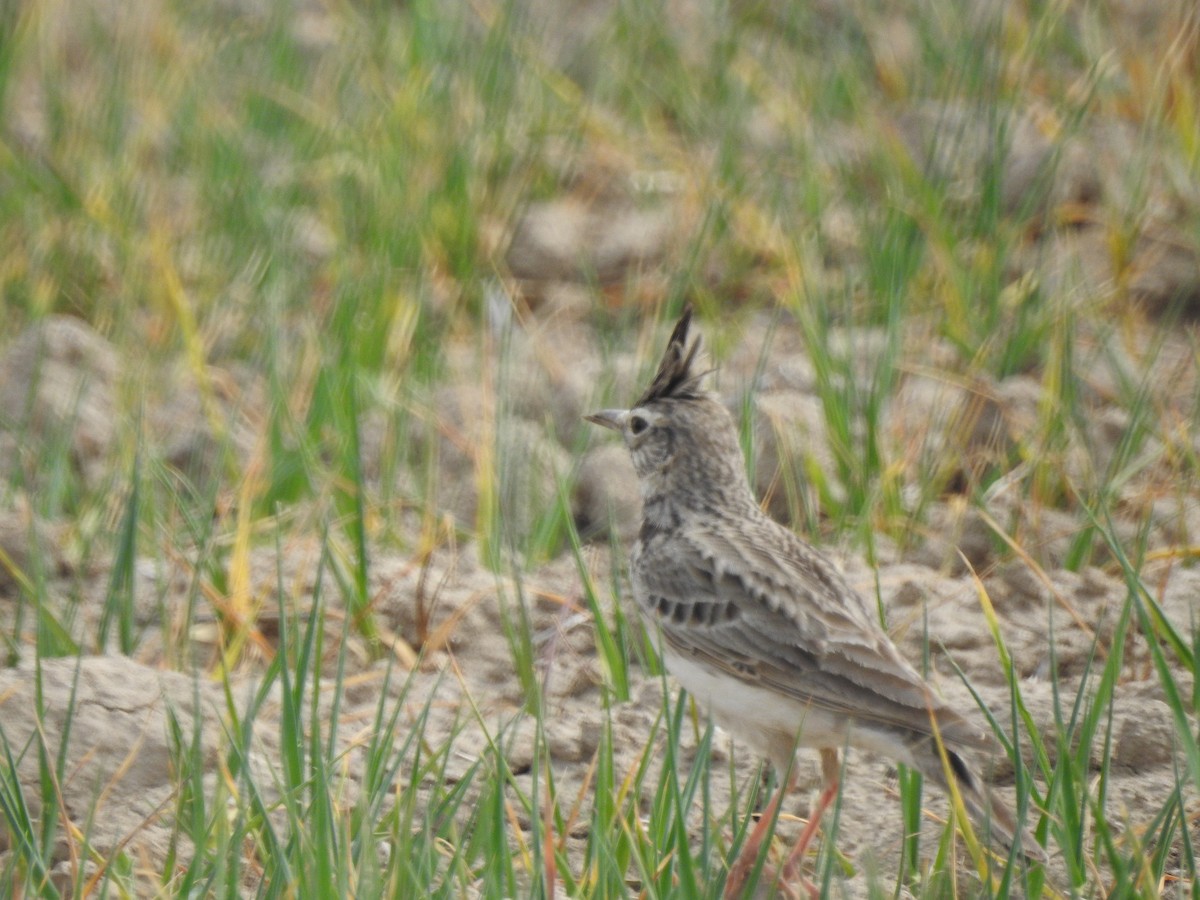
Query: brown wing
[{"x": 757, "y": 602}]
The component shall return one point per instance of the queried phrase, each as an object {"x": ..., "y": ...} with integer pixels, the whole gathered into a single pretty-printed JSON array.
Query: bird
[{"x": 761, "y": 628}]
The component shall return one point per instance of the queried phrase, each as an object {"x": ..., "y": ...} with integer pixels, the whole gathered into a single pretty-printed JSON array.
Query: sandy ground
[
  {"x": 554, "y": 371},
  {"x": 930, "y": 598}
]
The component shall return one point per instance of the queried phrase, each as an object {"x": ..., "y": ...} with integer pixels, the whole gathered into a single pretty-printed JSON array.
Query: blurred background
[{"x": 333, "y": 282}]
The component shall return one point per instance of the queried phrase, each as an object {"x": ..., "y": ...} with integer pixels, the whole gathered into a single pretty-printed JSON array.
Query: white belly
[{"x": 770, "y": 723}]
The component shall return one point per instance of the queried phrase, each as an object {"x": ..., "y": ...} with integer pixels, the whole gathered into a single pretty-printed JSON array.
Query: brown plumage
[{"x": 759, "y": 626}]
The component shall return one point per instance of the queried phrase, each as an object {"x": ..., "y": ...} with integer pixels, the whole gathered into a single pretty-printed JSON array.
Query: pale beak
[{"x": 609, "y": 418}]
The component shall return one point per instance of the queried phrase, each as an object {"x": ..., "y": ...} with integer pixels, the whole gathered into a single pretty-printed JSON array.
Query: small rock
[
  {"x": 1023, "y": 589},
  {"x": 185, "y": 433},
  {"x": 953, "y": 531},
  {"x": 1178, "y": 600},
  {"x": 789, "y": 430},
  {"x": 569, "y": 741},
  {"x": 606, "y": 493},
  {"x": 58, "y": 381},
  {"x": 120, "y": 756},
  {"x": 527, "y": 465},
  {"x": 570, "y": 240},
  {"x": 27, "y": 542},
  {"x": 551, "y": 371},
  {"x": 519, "y": 742},
  {"x": 1145, "y": 733}
]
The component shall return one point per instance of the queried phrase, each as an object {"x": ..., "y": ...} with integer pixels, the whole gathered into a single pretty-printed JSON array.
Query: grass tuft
[{"x": 292, "y": 223}]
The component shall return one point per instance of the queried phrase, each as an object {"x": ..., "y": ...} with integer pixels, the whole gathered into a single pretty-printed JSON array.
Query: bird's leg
[
  {"x": 831, "y": 773},
  {"x": 740, "y": 871}
]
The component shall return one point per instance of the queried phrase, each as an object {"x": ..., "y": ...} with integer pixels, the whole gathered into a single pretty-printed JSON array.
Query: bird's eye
[{"x": 637, "y": 424}]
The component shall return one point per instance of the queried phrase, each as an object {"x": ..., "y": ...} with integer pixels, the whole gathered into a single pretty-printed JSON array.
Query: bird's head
[{"x": 681, "y": 438}]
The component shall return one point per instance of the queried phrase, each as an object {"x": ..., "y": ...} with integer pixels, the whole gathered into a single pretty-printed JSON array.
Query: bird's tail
[{"x": 982, "y": 804}]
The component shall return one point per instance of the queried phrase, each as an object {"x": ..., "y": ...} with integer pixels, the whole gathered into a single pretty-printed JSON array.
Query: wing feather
[{"x": 759, "y": 604}]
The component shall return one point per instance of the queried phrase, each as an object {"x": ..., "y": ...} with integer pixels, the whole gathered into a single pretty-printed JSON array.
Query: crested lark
[{"x": 761, "y": 628}]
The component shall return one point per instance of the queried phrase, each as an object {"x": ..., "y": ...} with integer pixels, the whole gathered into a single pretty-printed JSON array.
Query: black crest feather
[{"x": 675, "y": 379}]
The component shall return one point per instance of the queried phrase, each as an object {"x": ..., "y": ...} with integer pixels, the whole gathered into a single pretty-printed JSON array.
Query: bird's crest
[{"x": 675, "y": 379}]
